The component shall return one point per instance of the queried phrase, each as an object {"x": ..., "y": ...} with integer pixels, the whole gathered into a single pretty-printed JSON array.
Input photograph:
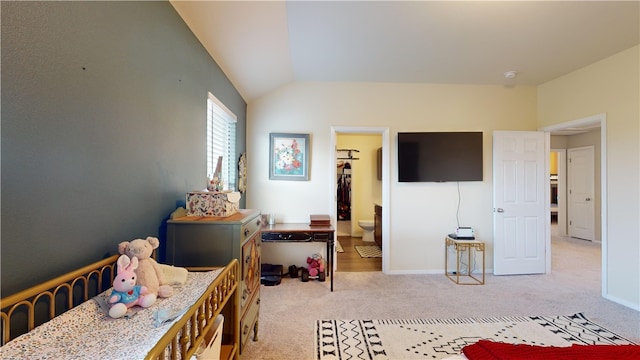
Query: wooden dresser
[{"x": 213, "y": 241}]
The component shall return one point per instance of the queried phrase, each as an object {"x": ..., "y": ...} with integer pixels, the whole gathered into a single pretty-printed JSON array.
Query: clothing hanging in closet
[{"x": 344, "y": 193}]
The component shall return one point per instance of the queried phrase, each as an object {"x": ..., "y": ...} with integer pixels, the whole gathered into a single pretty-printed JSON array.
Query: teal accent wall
[{"x": 103, "y": 129}]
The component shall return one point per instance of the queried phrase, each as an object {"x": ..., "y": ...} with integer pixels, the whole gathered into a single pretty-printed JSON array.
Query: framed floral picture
[{"x": 289, "y": 156}]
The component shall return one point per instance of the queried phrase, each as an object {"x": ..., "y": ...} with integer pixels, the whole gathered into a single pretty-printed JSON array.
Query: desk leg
[
  {"x": 457, "y": 265},
  {"x": 483, "y": 265},
  {"x": 469, "y": 261},
  {"x": 330, "y": 260},
  {"x": 446, "y": 258}
]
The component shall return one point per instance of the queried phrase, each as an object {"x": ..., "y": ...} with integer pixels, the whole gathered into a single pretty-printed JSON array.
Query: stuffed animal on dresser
[
  {"x": 125, "y": 292},
  {"x": 158, "y": 278}
]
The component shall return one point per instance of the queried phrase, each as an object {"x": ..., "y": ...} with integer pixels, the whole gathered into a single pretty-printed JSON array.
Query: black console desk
[{"x": 302, "y": 233}]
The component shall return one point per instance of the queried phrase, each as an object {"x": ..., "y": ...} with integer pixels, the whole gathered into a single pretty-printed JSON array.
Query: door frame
[
  {"x": 587, "y": 121},
  {"x": 386, "y": 181},
  {"x": 562, "y": 190}
]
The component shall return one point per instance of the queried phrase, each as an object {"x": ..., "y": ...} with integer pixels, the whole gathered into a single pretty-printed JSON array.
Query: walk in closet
[{"x": 343, "y": 172}]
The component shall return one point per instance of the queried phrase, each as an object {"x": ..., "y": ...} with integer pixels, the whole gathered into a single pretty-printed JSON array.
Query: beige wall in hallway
[{"x": 611, "y": 87}]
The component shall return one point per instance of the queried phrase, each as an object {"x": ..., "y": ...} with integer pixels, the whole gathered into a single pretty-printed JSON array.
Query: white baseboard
[{"x": 629, "y": 304}]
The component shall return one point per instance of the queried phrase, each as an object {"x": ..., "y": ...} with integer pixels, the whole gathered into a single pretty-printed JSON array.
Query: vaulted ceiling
[{"x": 261, "y": 45}]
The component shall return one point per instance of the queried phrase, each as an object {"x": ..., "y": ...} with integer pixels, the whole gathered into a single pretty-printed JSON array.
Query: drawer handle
[{"x": 246, "y": 232}]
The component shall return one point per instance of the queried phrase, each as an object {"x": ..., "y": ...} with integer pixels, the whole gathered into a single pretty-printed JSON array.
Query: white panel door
[
  {"x": 581, "y": 193},
  {"x": 519, "y": 202}
]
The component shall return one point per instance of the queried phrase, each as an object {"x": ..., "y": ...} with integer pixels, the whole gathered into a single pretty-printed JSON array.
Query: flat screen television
[{"x": 439, "y": 156}]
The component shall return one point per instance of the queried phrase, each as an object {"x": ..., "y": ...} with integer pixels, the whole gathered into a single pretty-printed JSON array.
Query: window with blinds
[{"x": 221, "y": 141}]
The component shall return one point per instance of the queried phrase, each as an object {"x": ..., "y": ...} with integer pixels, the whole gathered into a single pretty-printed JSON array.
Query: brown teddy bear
[{"x": 158, "y": 278}]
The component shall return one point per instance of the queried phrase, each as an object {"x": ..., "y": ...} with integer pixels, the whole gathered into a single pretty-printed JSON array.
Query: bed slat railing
[
  {"x": 181, "y": 341},
  {"x": 199, "y": 319},
  {"x": 74, "y": 288}
]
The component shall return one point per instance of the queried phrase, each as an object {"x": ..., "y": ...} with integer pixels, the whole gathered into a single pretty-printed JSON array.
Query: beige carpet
[
  {"x": 440, "y": 338},
  {"x": 289, "y": 311}
]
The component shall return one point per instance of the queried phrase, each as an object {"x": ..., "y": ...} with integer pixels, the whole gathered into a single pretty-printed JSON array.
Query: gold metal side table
[{"x": 472, "y": 247}]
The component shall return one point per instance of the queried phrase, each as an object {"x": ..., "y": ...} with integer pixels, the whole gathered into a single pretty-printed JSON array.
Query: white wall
[
  {"x": 421, "y": 214},
  {"x": 612, "y": 87}
]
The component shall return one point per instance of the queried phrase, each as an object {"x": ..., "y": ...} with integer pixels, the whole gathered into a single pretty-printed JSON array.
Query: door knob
[
  {"x": 587, "y": 199},
  {"x": 500, "y": 210}
]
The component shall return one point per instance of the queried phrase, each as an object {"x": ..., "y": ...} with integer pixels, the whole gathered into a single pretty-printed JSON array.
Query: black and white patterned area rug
[
  {"x": 442, "y": 338},
  {"x": 369, "y": 251}
]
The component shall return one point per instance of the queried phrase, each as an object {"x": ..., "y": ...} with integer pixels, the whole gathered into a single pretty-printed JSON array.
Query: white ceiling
[{"x": 261, "y": 45}]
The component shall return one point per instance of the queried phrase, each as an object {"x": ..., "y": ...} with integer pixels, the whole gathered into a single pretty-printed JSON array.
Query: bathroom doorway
[
  {"x": 345, "y": 159},
  {"x": 356, "y": 190}
]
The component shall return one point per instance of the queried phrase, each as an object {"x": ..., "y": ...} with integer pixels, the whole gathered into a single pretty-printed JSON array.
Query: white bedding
[{"x": 87, "y": 331}]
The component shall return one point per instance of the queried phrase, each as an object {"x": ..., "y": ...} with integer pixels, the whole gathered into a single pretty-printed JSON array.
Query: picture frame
[{"x": 288, "y": 156}]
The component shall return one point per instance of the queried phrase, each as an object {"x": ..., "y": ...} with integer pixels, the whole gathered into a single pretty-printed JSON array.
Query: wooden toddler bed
[{"x": 63, "y": 317}]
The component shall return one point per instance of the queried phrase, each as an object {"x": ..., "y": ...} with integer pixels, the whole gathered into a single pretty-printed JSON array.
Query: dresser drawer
[
  {"x": 320, "y": 236},
  {"x": 251, "y": 228},
  {"x": 249, "y": 320},
  {"x": 250, "y": 280}
]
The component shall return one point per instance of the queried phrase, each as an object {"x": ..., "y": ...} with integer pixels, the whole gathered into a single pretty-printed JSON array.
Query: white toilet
[{"x": 367, "y": 227}]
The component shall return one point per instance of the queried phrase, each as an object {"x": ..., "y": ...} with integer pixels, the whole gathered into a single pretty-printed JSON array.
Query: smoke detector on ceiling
[{"x": 511, "y": 74}]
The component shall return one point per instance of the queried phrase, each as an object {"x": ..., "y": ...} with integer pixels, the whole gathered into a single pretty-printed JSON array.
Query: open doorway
[
  {"x": 358, "y": 191},
  {"x": 594, "y": 125},
  {"x": 557, "y": 190},
  {"x": 361, "y": 143}
]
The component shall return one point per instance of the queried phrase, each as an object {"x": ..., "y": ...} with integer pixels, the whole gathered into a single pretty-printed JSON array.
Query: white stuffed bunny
[{"x": 126, "y": 293}]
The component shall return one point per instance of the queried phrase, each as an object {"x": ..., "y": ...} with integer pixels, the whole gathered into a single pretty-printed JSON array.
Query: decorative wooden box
[{"x": 209, "y": 203}]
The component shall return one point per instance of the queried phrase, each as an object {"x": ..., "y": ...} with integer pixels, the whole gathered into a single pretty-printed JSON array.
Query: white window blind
[{"x": 221, "y": 141}]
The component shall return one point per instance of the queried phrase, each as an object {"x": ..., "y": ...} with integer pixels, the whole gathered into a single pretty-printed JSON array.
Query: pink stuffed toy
[
  {"x": 126, "y": 293},
  {"x": 315, "y": 265}
]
